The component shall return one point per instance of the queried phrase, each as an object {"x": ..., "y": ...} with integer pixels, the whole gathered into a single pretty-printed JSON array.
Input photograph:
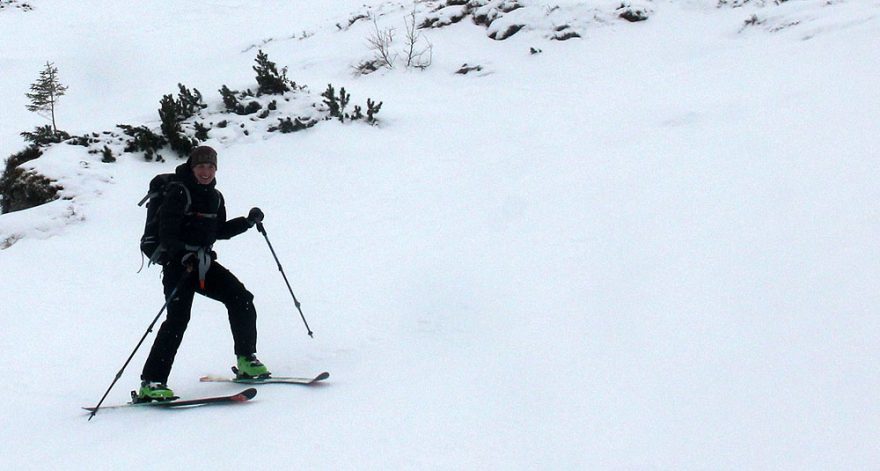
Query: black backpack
[{"x": 158, "y": 187}]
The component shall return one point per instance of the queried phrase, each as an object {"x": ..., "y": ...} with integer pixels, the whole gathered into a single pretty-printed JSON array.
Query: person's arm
[{"x": 231, "y": 228}]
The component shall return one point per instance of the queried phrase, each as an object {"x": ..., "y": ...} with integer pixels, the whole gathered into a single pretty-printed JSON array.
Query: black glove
[
  {"x": 189, "y": 260},
  {"x": 255, "y": 216}
]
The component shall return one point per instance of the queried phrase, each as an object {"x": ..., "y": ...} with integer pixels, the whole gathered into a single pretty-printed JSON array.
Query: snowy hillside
[{"x": 572, "y": 240}]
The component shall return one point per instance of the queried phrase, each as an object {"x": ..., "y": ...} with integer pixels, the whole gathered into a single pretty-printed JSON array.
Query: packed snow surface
[{"x": 652, "y": 246}]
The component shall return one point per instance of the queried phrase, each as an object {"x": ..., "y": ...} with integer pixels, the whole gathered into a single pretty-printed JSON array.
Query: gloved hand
[
  {"x": 190, "y": 260},
  {"x": 255, "y": 216}
]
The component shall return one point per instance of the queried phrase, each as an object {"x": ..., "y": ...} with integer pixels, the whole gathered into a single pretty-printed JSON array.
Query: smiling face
[{"x": 204, "y": 173}]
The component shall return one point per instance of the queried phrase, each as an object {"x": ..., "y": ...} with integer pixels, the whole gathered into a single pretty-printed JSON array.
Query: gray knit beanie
[{"x": 203, "y": 155}]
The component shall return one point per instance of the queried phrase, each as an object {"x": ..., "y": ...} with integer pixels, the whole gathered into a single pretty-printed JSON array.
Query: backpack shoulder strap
[
  {"x": 219, "y": 200},
  {"x": 185, "y": 192}
]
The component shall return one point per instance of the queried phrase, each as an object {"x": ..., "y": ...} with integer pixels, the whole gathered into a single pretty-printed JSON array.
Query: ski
[
  {"x": 269, "y": 380},
  {"x": 243, "y": 396}
]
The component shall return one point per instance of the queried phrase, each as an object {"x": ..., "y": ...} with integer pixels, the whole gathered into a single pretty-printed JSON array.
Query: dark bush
[
  {"x": 188, "y": 102},
  {"x": 336, "y": 104},
  {"x": 270, "y": 81},
  {"x": 288, "y": 125},
  {"x": 143, "y": 140},
  {"x": 169, "y": 113},
  {"x": 201, "y": 131},
  {"x": 230, "y": 99},
  {"x": 44, "y": 136},
  {"x": 633, "y": 15},
  {"x": 23, "y": 189},
  {"x": 107, "y": 155}
]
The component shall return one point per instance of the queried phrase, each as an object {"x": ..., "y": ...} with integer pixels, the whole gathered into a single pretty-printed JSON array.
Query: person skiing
[{"x": 191, "y": 218}]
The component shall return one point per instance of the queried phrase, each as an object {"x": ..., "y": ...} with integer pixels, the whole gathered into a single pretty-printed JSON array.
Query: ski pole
[
  {"x": 295, "y": 302},
  {"x": 149, "y": 329}
]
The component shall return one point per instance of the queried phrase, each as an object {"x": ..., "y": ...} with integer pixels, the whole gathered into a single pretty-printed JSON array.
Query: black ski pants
[{"x": 220, "y": 285}]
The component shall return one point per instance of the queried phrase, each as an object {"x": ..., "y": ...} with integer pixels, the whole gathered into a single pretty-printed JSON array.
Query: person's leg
[
  {"x": 168, "y": 339},
  {"x": 223, "y": 286}
]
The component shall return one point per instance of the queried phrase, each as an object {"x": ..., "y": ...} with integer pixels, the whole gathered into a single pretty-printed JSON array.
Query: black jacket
[{"x": 194, "y": 215}]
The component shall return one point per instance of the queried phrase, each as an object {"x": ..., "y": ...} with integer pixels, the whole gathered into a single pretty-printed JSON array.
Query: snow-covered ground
[{"x": 650, "y": 247}]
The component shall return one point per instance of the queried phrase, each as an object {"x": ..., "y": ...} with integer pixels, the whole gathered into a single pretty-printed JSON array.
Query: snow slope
[{"x": 652, "y": 247}]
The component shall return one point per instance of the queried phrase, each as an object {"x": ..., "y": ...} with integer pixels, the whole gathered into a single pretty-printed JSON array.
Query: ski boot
[
  {"x": 249, "y": 367},
  {"x": 153, "y": 391}
]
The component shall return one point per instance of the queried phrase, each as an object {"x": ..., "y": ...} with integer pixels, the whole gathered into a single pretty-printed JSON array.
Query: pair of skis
[{"x": 242, "y": 396}]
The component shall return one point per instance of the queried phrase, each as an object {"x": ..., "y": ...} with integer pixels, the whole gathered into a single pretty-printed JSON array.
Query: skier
[{"x": 191, "y": 218}]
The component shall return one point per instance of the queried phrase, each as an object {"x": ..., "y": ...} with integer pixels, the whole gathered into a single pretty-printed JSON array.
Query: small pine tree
[
  {"x": 107, "y": 155},
  {"x": 45, "y": 93},
  {"x": 372, "y": 111},
  {"x": 189, "y": 102},
  {"x": 332, "y": 102},
  {"x": 357, "y": 114},
  {"x": 230, "y": 100},
  {"x": 169, "y": 114},
  {"x": 271, "y": 82},
  {"x": 201, "y": 131},
  {"x": 344, "y": 98}
]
